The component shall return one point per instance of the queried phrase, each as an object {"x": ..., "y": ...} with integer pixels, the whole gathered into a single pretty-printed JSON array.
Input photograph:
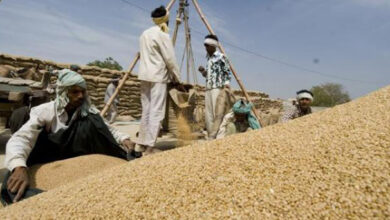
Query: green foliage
[
  {"x": 329, "y": 95},
  {"x": 108, "y": 63}
]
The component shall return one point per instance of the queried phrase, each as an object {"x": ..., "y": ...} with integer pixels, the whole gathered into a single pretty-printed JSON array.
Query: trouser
[
  {"x": 153, "y": 100},
  {"x": 112, "y": 113},
  {"x": 87, "y": 135},
  {"x": 224, "y": 103},
  {"x": 210, "y": 109}
]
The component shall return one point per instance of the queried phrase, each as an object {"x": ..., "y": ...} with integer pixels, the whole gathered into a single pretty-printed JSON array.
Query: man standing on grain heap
[
  {"x": 158, "y": 67},
  {"x": 67, "y": 127}
]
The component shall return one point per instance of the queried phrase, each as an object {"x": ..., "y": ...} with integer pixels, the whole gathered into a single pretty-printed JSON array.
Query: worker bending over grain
[
  {"x": 301, "y": 108},
  {"x": 67, "y": 127},
  {"x": 239, "y": 120},
  {"x": 217, "y": 74},
  {"x": 113, "y": 110},
  {"x": 158, "y": 67}
]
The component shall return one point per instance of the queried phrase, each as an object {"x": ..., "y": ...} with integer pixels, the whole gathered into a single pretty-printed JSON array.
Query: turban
[
  {"x": 162, "y": 22},
  {"x": 304, "y": 95},
  {"x": 240, "y": 107},
  {"x": 211, "y": 42},
  {"x": 66, "y": 79}
]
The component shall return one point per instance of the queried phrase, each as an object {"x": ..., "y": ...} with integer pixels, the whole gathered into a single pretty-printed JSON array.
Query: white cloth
[
  {"x": 230, "y": 126},
  {"x": 304, "y": 95},
  {"x": 109, "y": 92},
  {"x": 153, "y": 100},
  {"x": 210, "y": 108},
  {"x": 211, "y": 42},
  {"x": 158, "y": 60},
  {"x": 223, "y": 129},
  {"x": 43, "y": 116},
  {"x": 112, "y": 113}
]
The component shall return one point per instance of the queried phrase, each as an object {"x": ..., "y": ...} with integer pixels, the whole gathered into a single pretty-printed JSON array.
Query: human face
[
  {"x": 240, "y": 117},
  {"x": 304, "y": 103},
  {"x": 210, "y": 49},
  {"x": 115, "y": 83},
  {"x": 76, "y": 95}
]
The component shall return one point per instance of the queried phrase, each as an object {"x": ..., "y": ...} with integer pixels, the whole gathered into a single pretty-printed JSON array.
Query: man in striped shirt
[{"x": 302, "y": 108}]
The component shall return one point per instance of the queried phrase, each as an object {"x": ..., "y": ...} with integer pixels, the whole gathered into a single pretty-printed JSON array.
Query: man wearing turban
[
  {"x": 218, "y": 75},
  {"x": 239, "y": 120},
  {"x": 67, "y": 127},
  {"x": 302, "y": 108},
  {"x": 158, "y": 67}
]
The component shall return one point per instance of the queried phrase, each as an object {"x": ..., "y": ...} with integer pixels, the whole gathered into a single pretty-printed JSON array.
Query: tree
[
  {"x": 329, "y": 95},
  {"x": 108, "y": 63}
]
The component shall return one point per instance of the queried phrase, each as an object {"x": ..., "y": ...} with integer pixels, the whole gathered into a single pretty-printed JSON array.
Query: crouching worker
[
  {"x": 300, "y": 109},
  {"x": 67, "y": 127},
  {"x": 239, "y": 120}
]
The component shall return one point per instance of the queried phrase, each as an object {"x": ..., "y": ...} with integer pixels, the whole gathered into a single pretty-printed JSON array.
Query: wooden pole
[
  {"x": 170, "y": 4},
  {"x": 208, "y": 26},
  {"x": 131, "y": 67},
  {"x": 177, "y": 24}
]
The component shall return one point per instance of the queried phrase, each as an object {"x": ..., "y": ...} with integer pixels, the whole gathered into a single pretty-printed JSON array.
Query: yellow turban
[{"x": 162, "y": 22}]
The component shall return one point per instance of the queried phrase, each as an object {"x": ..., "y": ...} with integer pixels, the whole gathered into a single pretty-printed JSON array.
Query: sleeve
[
  {"x": 118, "y": 136},
  {"x": 22, "y": 142},
  {"x": 223, "y": 128},
  {"x": 111, "y": 93},
  {"x": 226, "y": 70},
  {"x": 168, "y": 53}
]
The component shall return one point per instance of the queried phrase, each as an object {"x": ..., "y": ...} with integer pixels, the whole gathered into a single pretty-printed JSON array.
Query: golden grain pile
[
  {"x": 58, "y": 173},
  {"x": 332, "y": 164}
]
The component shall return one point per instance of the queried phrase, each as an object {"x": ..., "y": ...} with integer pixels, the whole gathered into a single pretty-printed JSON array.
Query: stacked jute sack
[
  {"x": 129, "y": 96},
  {"x": 333, "y": 164}
]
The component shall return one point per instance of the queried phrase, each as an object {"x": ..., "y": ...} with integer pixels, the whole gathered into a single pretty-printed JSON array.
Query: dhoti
[
  {"x": 153, "y": 100},
  {"x": 210, "y": 107}
]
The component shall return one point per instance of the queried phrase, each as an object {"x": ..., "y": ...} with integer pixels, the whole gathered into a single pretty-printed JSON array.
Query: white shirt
[
  {"x": 44, "y": 116},
  {"x": 158, "y": 60},
  {"x": 109, "y": 92}
]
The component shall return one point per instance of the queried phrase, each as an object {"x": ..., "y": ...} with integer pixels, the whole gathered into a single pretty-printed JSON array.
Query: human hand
[
  {"x": 181, "y": 87},
  {"x": 128, "y": 145},
  {"x": 18, "y": 182},
  {"x": 202, "y": 70}
]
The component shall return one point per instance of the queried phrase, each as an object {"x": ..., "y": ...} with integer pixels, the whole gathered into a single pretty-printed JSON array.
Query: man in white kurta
[
  {"x": 158, "y": 67},
  {"x": 67, "y": 127},
  {"x": 113, "y": 110}
]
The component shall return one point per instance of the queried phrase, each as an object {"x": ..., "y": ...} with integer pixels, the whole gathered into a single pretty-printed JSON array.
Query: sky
[{"x": 276, "y": 46}]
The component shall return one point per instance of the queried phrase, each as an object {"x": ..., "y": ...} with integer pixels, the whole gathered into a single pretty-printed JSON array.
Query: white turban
[
  {"x": 211, "y": 42},
  {"x": 304, "y": 95}
]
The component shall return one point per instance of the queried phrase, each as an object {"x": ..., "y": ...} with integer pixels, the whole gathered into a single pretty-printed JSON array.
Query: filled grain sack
[
  {"x": 52, "y": 175},
  {"x": 334, "y": 164}
]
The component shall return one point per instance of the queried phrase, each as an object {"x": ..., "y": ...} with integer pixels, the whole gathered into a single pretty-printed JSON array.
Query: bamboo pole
[
  {"x": 170, "y": 4},
  {"x": 208, "y": 26},
  {"x": 131, "y": 67},
  {"x": 177, "y": 24}
]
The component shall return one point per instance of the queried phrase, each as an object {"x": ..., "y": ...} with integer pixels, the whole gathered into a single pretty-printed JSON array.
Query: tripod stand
[{"x": 182, "y": 12}]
